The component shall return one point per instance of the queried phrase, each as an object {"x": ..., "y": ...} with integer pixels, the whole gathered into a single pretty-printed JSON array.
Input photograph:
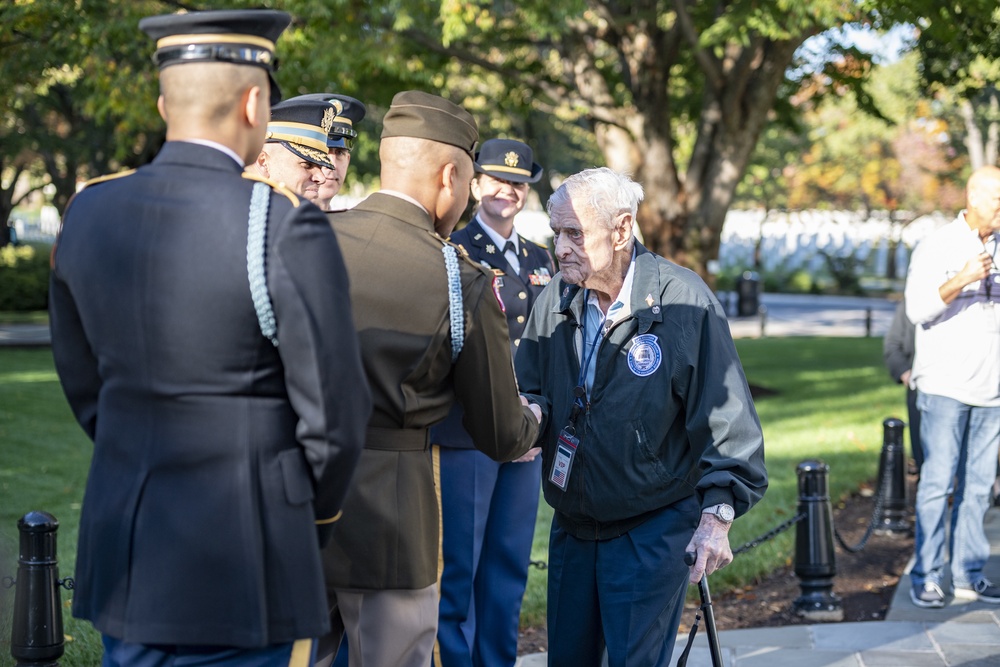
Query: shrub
[{"x": 24, "y": 277}]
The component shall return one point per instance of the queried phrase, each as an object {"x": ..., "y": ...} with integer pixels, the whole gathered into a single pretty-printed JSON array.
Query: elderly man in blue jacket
[{"x": 651, "y": 444}]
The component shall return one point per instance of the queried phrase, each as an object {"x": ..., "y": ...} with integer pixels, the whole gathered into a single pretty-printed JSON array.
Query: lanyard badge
[
  {"x": 562, "y": 465},
  {"x": 567, "y": 443}
]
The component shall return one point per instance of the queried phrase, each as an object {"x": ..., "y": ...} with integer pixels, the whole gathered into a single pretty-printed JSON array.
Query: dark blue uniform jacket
[{"x": 214, "y": 451}]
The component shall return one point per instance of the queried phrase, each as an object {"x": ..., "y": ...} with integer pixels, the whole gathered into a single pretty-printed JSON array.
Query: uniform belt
[{"x": 397, "y": 439}]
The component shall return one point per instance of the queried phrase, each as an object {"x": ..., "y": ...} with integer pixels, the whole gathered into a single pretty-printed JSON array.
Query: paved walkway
[{"x": 24, "y": 335}]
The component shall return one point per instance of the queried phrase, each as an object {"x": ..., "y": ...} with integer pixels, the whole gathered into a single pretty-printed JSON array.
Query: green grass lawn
[
  {"x": 24, "y": 317},
  {"x": 831, "y": 396}
]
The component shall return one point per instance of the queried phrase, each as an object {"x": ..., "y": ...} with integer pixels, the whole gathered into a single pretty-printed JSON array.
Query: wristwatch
[{"x": 722, "y": 512}]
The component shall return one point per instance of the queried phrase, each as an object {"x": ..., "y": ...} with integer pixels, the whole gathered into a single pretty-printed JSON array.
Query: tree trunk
[
  {"x": 973, "y": 137},
  {"x": 682, "y": 219},
  {"x": 991, "y": 151}
]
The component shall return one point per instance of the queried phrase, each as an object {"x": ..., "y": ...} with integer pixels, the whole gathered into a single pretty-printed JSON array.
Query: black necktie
[{"x": 509, "y": 247}]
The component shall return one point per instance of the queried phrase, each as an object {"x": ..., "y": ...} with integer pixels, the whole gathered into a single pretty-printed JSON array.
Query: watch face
[{"x": 727, "y": 513}]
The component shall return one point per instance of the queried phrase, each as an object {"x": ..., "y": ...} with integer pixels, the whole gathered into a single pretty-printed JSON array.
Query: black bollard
[
  {"x": 37, "y": 628},
  {"x": 892, "y": 481},
  {"x": 815, "y": 565},
  {"x": 868, "y": 323}
]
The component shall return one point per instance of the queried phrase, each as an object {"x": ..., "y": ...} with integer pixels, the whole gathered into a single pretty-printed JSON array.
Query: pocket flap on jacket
[{"x": 295, "y": 473}]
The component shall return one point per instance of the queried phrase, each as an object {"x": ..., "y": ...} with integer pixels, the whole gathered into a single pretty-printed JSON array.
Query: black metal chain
[
  {"x": 771, "y": 534},
  {"x": 68, "y": 583},
  {"x": 876, "y": 511}
]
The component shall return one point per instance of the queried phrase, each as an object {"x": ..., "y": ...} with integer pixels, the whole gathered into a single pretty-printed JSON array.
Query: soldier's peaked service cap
[
  {"x": 350, "y": 112},
  {"x": 414, "y": 113},
  {"x": 508, "y": 160},
  {"x": 302, "y": 126},
  {"x": 241, "y": 37}
]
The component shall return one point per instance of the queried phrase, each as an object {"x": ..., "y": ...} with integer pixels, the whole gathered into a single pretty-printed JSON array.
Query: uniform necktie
[{"x": 509, "y": 247}]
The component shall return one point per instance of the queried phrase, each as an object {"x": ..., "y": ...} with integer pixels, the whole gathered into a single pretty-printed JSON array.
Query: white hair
[{"x": 608, "y": 193}]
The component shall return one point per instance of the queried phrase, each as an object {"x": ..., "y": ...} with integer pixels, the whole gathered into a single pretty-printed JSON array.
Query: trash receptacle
[{"x": 748, "y": 294}]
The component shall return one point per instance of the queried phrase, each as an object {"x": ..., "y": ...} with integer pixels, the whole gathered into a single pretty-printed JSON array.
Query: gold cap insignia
[
  {"x": 510, "y": 159},
  {"x": 338, "y": 107},
  {"x": 327, "y": 122}
]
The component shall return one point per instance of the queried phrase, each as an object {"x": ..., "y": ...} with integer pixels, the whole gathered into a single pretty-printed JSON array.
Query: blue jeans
[{"x": 960, "y": 446}]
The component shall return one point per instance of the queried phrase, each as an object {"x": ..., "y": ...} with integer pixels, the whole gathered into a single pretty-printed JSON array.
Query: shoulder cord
[
  {"x": 455, "y": 305},
  {"x": 256, "y": 266}
]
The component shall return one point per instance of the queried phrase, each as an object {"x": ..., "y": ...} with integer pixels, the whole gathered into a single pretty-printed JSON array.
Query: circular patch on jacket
[{"x": 645, "y": 356}]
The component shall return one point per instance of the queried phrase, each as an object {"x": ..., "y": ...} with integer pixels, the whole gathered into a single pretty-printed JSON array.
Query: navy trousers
[
  {"x": 488, "y": 514},
  {"x": 126, "y": 654},
  {"x": 624, "y": 594}
]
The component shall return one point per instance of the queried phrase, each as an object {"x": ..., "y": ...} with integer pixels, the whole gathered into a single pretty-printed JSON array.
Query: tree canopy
[{"x": 675, "y": 92}]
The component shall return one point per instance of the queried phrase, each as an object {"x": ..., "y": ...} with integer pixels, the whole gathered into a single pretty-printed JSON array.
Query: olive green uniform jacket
[{"x": 388, "y": 536}]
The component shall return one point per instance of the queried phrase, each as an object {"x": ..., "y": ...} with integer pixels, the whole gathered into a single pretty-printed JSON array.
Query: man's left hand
[{"x": 711, "y": 544}]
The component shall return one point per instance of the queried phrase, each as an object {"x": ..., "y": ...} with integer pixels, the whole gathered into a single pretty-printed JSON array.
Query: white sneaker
[{"x": 983, "y": 590}]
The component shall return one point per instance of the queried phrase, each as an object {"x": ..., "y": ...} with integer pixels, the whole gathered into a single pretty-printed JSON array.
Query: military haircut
[
  {"x": 418, "y": 155},
  {"x": 208, "y": 90}
]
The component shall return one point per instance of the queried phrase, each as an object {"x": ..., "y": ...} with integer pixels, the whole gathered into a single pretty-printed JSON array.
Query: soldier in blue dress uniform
[
  {"x": 294, "y": 153},
  {"x": 202, "y": 333},
  {"x": 340, "y": 140},
  {"x": 488, "y": 508}
]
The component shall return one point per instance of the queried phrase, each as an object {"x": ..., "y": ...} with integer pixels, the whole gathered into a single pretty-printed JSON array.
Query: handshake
[{"x": 535, "y": 410}]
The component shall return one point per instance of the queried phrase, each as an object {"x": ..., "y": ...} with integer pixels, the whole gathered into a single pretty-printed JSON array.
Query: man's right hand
[
  {"x": 535, "y": 410},
  {"x": 975, "y": 269}
]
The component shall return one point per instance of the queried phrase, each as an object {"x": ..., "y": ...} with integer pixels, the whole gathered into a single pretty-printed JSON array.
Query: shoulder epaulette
[
  {"x": 543, "y": 247},
  {"x": 277, "y": 187},
  {"x": 108, "y": 177}
]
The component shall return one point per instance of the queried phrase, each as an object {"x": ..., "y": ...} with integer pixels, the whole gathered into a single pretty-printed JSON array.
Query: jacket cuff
[
  {"x": 716, "y": 495},
  {"x": 333, "y": 519}
]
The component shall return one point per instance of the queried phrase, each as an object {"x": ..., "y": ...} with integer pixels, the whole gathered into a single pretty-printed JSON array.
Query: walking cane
[{"x": 706, "y": 607}]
